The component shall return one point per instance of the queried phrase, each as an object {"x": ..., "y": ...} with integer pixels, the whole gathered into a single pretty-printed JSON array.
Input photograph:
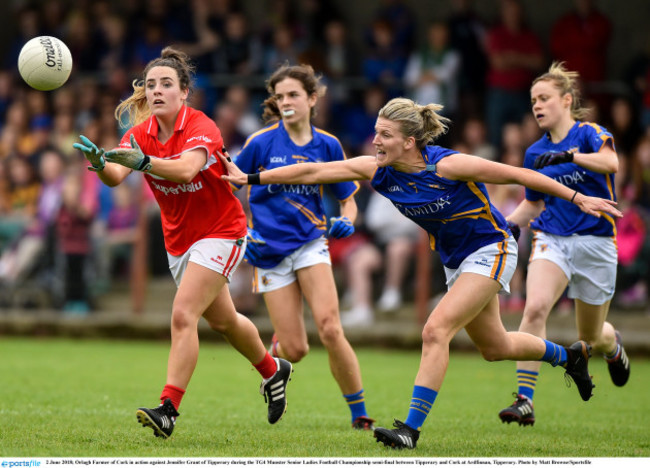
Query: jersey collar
[{"x": 181, "y": 121}]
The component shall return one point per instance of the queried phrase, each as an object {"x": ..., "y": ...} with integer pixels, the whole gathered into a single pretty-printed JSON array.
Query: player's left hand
[
  {"x": 596, "y": 206},
  {"x": 132, "y": 158},
  {"x": 341, "y": 227},
  {"x": 551, "y": 158}
]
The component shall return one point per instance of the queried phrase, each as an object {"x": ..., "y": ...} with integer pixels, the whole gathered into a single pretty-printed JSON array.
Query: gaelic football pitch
[{"x": 77, "y": 398}]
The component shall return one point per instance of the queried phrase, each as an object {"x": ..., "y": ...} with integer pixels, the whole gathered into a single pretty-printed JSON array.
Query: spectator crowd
[{"x": 67, "y": 237}]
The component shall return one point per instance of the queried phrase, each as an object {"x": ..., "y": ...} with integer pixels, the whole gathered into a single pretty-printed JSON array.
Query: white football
[{"x": 45, "y": 63}]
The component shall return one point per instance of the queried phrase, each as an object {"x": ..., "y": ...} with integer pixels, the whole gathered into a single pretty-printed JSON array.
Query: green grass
[{"x": 77, "y": 398}]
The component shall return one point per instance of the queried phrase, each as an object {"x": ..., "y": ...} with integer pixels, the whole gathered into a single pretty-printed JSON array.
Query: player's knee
[
  {"x": 330, "y": 332},
  {"x": 433, "y": 333},
  {"x": 536, "y": 311},
  {"x": 492, "y": 353},
  {"x": 220, "y": 326},
  {"x": 182, "y": 320},
  {"x": 294, "y": 352}
]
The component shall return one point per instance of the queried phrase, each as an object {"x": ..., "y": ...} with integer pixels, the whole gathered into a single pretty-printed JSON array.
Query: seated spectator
[
  {"x": 389, "y": 248},
  {"x": 474, "y": 138},
  {"x": 23, "y": 192},
  {"x": 20, "y": 258}
]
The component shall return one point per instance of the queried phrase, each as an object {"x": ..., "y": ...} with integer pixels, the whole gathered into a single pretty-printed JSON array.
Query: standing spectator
[
  {"x": 581, "y": 39},
  {"x": 432, "y": 72},
  {"x": 402, "y": 24},
  {"x": 467, "y": 33},
  {"x": 238, "y": 51},
  {"x": 515, "y": 55},
  {"x": 385, "y": 60},
  {"x": 638, "y": 78},
  {"x": 624, "y": 125},
  {"x": 73, "y": 226},
  {"x": 283, "y": 49}
]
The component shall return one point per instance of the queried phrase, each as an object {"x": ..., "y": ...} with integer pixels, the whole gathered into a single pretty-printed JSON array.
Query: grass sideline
[{"x": 77, "y": 398}]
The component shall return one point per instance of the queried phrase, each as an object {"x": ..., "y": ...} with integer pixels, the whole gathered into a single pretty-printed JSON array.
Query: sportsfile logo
[{"x": 12, "y": 463}]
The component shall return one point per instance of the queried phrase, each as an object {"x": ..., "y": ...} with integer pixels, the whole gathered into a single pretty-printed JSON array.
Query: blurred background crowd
[{"x": 65, "y": 238}]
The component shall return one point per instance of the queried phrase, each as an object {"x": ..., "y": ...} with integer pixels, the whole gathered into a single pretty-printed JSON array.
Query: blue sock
[
  {"x": 555, "y": 354},
  {"x": 527, "y": 381},
  {"x": 357, "y": 404},
  {"x": 421, "y": 404}
]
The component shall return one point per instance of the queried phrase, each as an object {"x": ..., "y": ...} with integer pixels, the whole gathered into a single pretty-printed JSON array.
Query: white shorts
[
  {"x": 220, "y": 255},
  {"x": 497, "y": 261},
  {"x": 589, "y": 263},
  {"x": 284, "y": 273}
]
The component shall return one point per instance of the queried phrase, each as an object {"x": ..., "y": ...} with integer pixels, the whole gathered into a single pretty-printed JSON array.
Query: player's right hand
[
  {"x": 94, "y": 155},
  {"x": 253, "y": 242},
  {"x": 551, "y": 158}
]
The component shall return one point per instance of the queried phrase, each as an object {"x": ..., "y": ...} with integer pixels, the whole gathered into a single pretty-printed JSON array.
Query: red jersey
[{"x": 202, "y": 208}]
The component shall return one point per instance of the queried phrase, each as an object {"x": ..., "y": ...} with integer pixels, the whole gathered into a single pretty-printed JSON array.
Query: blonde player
[
  {"x": 443, "y": 192},
  {"x": 570, "y": 248}
]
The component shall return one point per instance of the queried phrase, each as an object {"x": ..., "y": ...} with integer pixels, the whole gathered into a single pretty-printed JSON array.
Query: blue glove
[
  {"x": 341, "y": 227},
  {"x": 254, "y": 241},
  {"x": 93, "y": 154},
  {"x": 132, "y": 158},
  {"x": 551, "y": 158},
  {"x": 514, "y": 229}
]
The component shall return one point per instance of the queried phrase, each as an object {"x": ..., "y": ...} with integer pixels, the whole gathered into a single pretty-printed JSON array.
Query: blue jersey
[
  {"x": 288, "y": 216},
  {"x": 561, "y": 217},
  {"x": 457, "y": 215}
]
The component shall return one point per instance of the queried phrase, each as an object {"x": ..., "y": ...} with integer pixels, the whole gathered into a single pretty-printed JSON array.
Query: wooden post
[
  {"x": 139, "y": 263},
  {"x": 422, "y": 277}
]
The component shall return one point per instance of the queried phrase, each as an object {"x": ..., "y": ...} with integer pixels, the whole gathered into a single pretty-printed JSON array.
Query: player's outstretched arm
[
  {"x": 359, "y": 168},
  {"x": 473, "y": 168}
]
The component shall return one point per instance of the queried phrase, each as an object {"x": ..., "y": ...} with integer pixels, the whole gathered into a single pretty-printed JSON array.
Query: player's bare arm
[
  {"x": 605, "y": 161},
  {"x": 525, "y": 212},
  {"x": 472, "y": 168}
]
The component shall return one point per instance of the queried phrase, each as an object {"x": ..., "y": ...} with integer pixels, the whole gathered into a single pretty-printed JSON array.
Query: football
[{"x": 45, "y": 63}]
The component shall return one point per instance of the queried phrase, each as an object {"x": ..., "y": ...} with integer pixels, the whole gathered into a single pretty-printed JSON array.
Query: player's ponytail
[
  {"x": 423, "y": 123},
  {"x": 135, "y": 107},
  {"x": 566, "y": 82}
]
